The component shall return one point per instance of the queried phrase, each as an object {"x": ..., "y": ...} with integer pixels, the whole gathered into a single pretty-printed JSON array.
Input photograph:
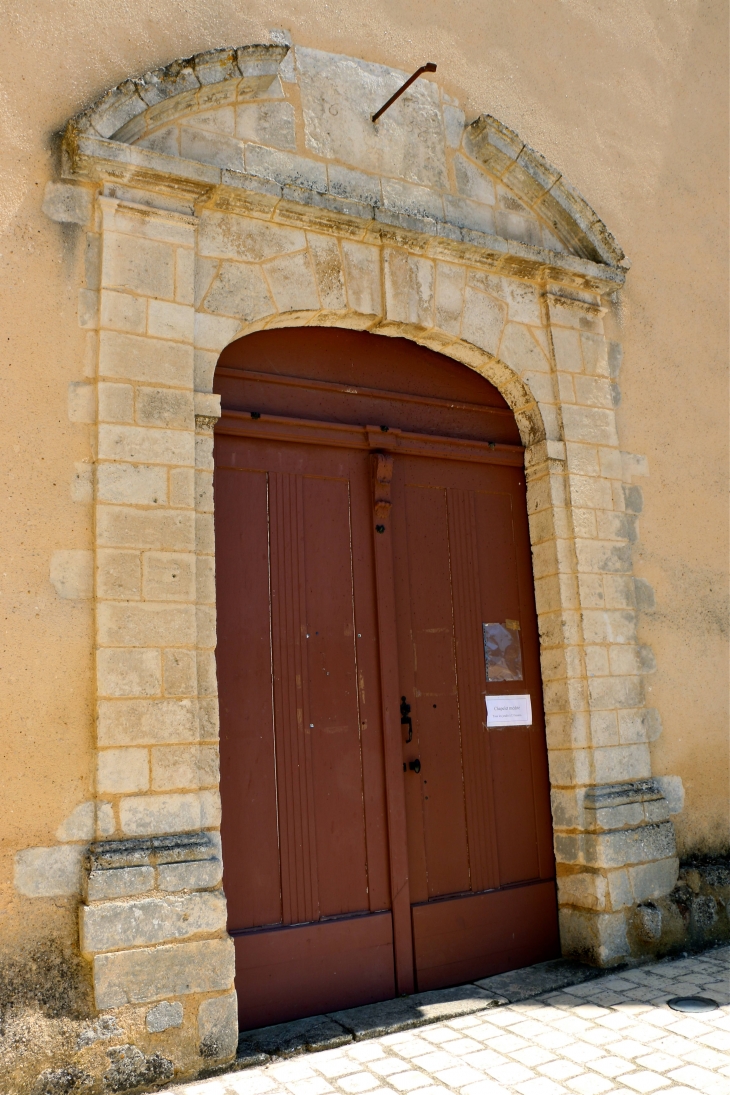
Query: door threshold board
[{"x": 318, "y": 1032}]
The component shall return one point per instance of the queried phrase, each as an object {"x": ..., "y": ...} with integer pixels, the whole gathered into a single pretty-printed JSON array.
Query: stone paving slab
[
  {"x": 542, "y": 977},
  {"x": 612, "y": 1035}
]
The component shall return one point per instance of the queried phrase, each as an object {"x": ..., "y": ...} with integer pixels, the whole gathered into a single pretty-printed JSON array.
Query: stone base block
[{"x": 598, "y": 939}]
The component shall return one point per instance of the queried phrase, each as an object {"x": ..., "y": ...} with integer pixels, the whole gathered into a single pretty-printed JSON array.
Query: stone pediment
[{"x": 295, "y": 125}]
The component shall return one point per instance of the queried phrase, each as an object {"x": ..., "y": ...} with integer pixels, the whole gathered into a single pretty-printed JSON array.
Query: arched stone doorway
[{"x": 379, "y": 836}]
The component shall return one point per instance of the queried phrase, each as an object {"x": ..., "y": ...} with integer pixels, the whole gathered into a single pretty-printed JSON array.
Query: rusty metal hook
[{"x": 428, "y": 67}]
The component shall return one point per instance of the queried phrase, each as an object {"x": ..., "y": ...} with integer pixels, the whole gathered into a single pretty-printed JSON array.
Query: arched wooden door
[{"x": 374, "y": 586}]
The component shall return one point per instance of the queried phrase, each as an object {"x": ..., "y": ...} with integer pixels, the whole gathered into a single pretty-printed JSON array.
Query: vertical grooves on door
[
  {"x": 481, "y": 822},
  {"x": 300, "y": 901}
]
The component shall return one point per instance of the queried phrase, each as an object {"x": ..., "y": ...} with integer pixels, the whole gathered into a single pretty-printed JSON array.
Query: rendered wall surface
[{"x": 619, "y": 104}]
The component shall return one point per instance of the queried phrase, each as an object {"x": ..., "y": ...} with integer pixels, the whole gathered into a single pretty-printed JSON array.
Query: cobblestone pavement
[{"x": 612, "y": 1035}]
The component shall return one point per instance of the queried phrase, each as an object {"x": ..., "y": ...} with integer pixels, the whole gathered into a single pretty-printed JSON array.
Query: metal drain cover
[{"x": 693, "y": 1003}]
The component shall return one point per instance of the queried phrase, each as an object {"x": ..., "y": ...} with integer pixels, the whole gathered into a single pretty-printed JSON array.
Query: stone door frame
[{"x": 153, "y": 917}]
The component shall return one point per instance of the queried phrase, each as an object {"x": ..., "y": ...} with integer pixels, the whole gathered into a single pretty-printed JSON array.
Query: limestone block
[
  {"x": 168, "y": 576},
  {"x": 210, "y": 809},
  {"x": 204, "y": 451},
  {"x": 225, "y": 235},
  {"x": 182, "y": 487},
  {"x": 128, "y": 672},
  {"x": 604, "y": 731},
  {"x": 165, "y": 407},
  {"x": 212, "y": 148},
  {"x": 166, "y": 319},
  {"x": 204, "y": 533},
  {"x": 483, "y": 320},
  {"x": 138, "y": 265},
  {"x": 120, "y": 771},
  {"x": 596, "y": 658},
  {"x": 652, "y": 880},
  {"x": 164, "y": 530},
  {"x": 72, "y": 574},
  {"x": 49, "y": 872},
  {"x": 145, "y": 815},
  {"x": 582, "y": 459},
  {"x": 409, "y": 288},
  {"x": 116, "y": 925},
  {"x": 119, "y": 882},
  {"x": 325, "y": 255},
  {"x": 81, "y": 402},
  {"x": 648, "y": 923},
  {"x": 355, "y": 185},
  {"x": 615, "y": 692},
  {"x": 79, "y": 825},
  {"x": 205, "y": 581},
  {"x": 580, "y": 316},
  {"x": 150, "y": 360},
  {"x": 515, "y": 226},
  {"x": 472, "y": 182},
  {"x": 339, "y": 96},
  {"x": 118, "y": 574},
  {"x": 619, "y": 889},
  {"x": 142, "y": 975},
  {"x": 270, "y": 123},
  {"x": 567, "y": 348},
  {"x": 185, "y": 275},
  {"x": 597, "y": 938},
  {"x": 123, "y": 311},
  {"x": 453, "y": 125},
  {"x": 292, "y": 283},
  {"x": 82, "y": 483},
  {"x": 105, "y": 821},
  {"x": 673, "y": 790},
  {"x": 205, "y": 623},
  {"x": 609, "y": 627},
  {"x": 240, "y": 291},
  {"x": 182, "y": 767},
  {"x": 146, "y": 722},
  {"x": 145, "y": 624},
  {"x": 585, "y": 890},
  {"x": 362, "y": 277},
  {"x": 115, "y": 402},
  {"x": 163, "y": 1016},
  {"x": 595, "y": 355},
  {"x": 285, "y": 168},
  {"x": 200, "y": 875},
  {"x": 603, "y": 555},
  {"x": 413, "y": 201},
  {"x": 67, "y": 203},
  {"x": 152, "y": 446},
  {"x": 593, "y": 391},
  {"x": 639, "y": 726},
  {"x": 218, "y": 1026},
  {"x": 88, "y": 309},
  {"x": 621, "y": 762},
  {"x": 133, "y": 484},
  {"x": 449, "y": 297},
  {"x": 215, "y": 332},
  {"x": 180, "y": 672},
  {"x": 566, "y": 391},
  {"x": 165, "y": 140},
  {"x": 589, "y": 490}
]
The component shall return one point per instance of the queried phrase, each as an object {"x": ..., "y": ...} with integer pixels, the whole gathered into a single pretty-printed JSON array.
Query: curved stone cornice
[
  {"x": 190, "y": 82},
  {"x": 542, "y": 188}
]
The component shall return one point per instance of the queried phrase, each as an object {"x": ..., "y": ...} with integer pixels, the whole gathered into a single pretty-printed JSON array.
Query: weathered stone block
[
  {"x": 200, "y": 875},
  {"x": 325, "y": 255},
  {"x": 123, "y": 312},
  {"x": 118, "y": 574},
  {"x": 79, "y": 825},
  {"x": 144, "y": 815},
  {"x": 621, "y": 762},
  {"x": 182, "y": 487},
  {"x": 138, "y": 265},
  {"x": 269, "y": 123},
  {"x": 146, "y": 921},
  {"x": 132, "y": 484},
  {"x": 119, "y": 882},
  {"x": 141, "y": 975},
  {"x": 240, "y": 291},
  {"x": 167, "y": 530},
  {"x": 146, "y": 624},
  {"x": 150, "y": 360},
  {"x": 146, "y": 722},
  {"x": 592, "y": 424},
  {"x": 116, "y": 402},
  {"x": 181, "y": 767},
  {"x": 483, "y": 320},
  {"x": 168, "y": 320},
  {"x": 362, "y": 276},
  {"x": 128, "y": 672},
  {"x": 137, "y": 444},
  {"x": 218, "y": 1026},
  {"x": 67, "y": 203},
  {"x": 180, "y": 671},
  {"x": 355, "y": 185},
  {"x": 653, "y": 880},
  {"x": 292, "y": 282},
  {"x": 409, "y": 288},
  {"x": 81, "y": 402},
  {"x": 596, "y": 938},
  {"x": 215, "y": 332},
  {"x": 49, "y": 872},
  {"x": 212, "y": 148},
  {"x": 168, "y": 576},
  {"x": 120, "y": 771},
  {"x": 225, "y": 235}
]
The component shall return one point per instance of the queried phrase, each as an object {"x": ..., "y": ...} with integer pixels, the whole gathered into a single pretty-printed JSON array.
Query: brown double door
[{"x": 377, "y": 837}]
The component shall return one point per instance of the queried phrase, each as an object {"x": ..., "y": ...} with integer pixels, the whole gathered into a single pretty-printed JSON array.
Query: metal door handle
[
  {"x": 405, "y": 717},
  {"x": 415, "y": 765}
]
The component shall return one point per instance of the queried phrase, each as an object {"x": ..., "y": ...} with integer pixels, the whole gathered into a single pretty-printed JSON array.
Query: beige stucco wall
[{"x": 628, "y": 101}]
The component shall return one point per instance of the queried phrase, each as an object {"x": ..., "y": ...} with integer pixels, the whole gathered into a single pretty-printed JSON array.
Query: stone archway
[{"x": 189, "y": 252}]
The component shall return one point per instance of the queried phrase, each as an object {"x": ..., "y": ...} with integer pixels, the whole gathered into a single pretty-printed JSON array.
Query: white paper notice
[{"x": 508, "y": 711}]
